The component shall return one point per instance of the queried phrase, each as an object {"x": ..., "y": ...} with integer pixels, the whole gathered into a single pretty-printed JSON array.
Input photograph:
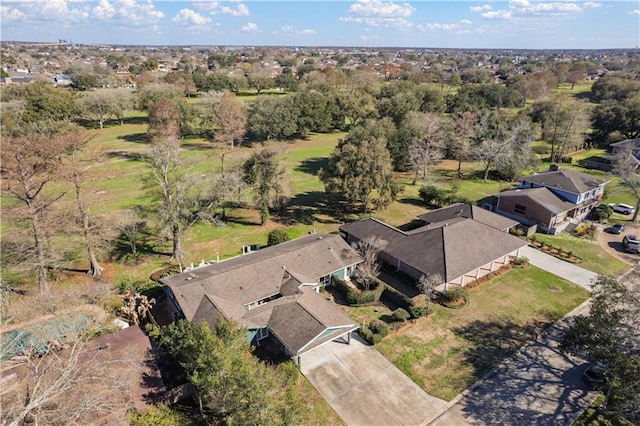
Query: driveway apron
[{"x": 364, "y": 388}]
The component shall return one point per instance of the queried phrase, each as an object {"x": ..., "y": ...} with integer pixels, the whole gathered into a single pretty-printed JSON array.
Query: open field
[{"x": 446, "y": 353}]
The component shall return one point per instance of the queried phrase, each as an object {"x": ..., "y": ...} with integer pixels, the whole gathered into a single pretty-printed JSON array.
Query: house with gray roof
[
  {"x": 551, "y": 200},
  {"x": 461, "y": 243},
  {"x": 273, "y": 292}
]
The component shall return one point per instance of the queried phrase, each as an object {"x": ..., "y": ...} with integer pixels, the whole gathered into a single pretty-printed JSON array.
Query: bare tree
[
  {"x": 163, "y": 120},
  {"x": 30, "y": 165},
  {"x": 369, "y": 268},
  {"x": 462, "y": 130},
  {"x": 428, "y": 145},
  {"x": 500, "y": 141},
  {"x": 129, "y": 225},
  {"x": 427, "y": 285},
  {"x": 232, "y": 121},
  {"x": 169, "y": 183},
  {"x": 70, "y": 383},
  {"x": 75, "y": 170}
]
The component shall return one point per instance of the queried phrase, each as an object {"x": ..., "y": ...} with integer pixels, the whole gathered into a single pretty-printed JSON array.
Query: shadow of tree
[
  {"x": 315, "y": 207},
  {"x": 127, "y": 155},
  {"x": 135, "y": 137},
  {"x": 537, "y": 385},
  {"x": 312, "y": 165},
  {"x": 493, "y": 341}
]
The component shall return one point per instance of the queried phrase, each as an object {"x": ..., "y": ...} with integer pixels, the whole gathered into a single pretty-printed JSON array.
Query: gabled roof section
[
  {"x": 233, "y": 283},
  {"x": 307, "y": 320},
  {"x": 567, "y": 180},
  {"x": 627, "y": 144},
  {"x": 469, "y": 211},
  {"x": 543, "y": 197},
  {"x": 449, "y": 248}
]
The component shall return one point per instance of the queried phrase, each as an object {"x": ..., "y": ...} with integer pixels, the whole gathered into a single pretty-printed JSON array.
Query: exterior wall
[
  {"x": 534, "y": 213},
  {"x": 484, "y": 270}
]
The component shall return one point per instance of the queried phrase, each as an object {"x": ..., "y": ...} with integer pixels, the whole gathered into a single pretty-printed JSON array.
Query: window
[
  {"x": 519, "y": 208},
  {"x": 262, "y": 333}
]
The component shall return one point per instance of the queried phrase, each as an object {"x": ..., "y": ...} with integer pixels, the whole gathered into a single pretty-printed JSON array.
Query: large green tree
[
  {"x": 621, "y": 118},
  {"x": 609, "y": 334},
  {"x": 236, "y": 387},
  {"x": 272, "y": 118},
  {"x": 360, "y": 169}
]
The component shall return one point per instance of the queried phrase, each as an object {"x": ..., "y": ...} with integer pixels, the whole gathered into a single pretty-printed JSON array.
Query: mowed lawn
[
  {"x": 447, "y": 352},
  {"x": 593, "y": 257}
]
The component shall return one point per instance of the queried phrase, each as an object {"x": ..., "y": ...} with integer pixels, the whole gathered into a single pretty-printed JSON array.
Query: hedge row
[{"x": 355, "y": 297}]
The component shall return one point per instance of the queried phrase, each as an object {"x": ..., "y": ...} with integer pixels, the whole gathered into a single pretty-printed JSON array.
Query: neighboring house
[
  {"x": 551, "y": 200},
  {"x": 460, "y": 242},
  {"x": 273, "y": 291}
]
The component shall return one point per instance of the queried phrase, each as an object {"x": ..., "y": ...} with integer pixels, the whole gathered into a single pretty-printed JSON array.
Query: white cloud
[
  {"x": 9, "y": 14},
  {"x": 129, "y": 12},
  {"x": 217, "y": 7},
  {"x": 104, "y": 10},
  {"x": 292, "y": 31},
  {"x": 525, "y": 8},
  {"x": 482, "y": 8},
  {"x": 377, "y": 13},
  {"x": 250, "y": 28},
  {"x": 381, "y": 9},
  {"x": 635, "y": 12},
  {"x": 455, "y": 27},
  {"x": 191, "y": 18},
  {"x": 497, "y": 14}
]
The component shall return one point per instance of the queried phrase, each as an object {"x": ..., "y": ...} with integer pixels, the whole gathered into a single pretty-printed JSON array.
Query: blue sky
[{"x": 526, "y": 24}]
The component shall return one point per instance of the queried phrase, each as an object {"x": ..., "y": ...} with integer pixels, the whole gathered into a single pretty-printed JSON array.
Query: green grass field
[{"x": 446, "y": 353}]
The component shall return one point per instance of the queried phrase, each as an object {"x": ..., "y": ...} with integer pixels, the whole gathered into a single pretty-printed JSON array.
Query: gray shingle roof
[
  {"x": 568, "y": 180},
  {"x": 467, "y": 210},
  {"x": 297, "y": 314},
  {"x": 451, "y": 248},
  {"x": 544, "y": 197},
  {"x": 258, "y": 275}
]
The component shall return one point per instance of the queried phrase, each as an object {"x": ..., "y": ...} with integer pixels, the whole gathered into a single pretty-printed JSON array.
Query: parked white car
[{"x": 622, "y": 208}]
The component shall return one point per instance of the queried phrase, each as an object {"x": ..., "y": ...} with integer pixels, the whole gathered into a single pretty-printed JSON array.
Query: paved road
[
  {"x": 366, "y": 389},
  {"x": 558, "y": 267}
]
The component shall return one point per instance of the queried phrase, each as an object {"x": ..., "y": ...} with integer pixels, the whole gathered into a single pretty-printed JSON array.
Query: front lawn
[
  {"x": 446, "y": 353},
  {"x": 594, "y": 258}
]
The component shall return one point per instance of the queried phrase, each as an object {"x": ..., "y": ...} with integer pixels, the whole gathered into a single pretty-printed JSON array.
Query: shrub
[
  {"x": 454, "y": 293},
  {"x": 401, "y": 315},
  {"x": 277, "y": 236},
  {"x": 418, "y": 311},
  {"x": 396, "y": 298},
  {"x": 376, "y": 338},
  {"x": 566, "y": 160},
  {"x": 520, "y": 262},
  {"x": 355, "y": 297},
  {"x": 379, "y": 327}
]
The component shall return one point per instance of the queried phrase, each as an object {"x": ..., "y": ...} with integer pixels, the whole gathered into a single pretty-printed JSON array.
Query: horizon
[{"x": 476, "y": 25}]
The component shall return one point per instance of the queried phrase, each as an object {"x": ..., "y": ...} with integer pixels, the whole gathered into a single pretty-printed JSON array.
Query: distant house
[
  {"x": 460, "y": 242},
  {"x": 273, "y": 291},
  {"x": 551, "y": 200}
]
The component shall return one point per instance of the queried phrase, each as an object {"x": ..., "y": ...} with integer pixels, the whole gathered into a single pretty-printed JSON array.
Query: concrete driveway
[
  {"x": 566, "y": 270},
  {"x": 366, "y": 389},
  {"x": 538, "y": 386}
]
